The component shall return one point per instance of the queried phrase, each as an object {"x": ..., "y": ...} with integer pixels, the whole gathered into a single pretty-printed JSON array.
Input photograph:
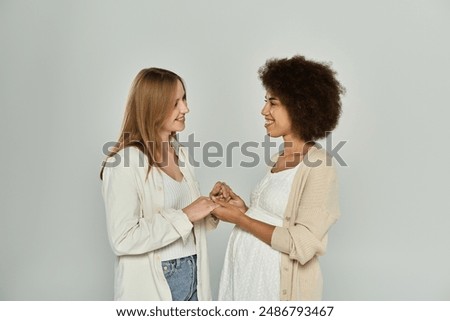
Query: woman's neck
[
  {"x": 163, "y": 152},
  {"x": 294, "y": 145}
]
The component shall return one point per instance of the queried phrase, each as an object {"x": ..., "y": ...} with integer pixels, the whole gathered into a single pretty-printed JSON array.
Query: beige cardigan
[
  {"x": 139, "y": 225},
  {"x": 312, "y": 208}
]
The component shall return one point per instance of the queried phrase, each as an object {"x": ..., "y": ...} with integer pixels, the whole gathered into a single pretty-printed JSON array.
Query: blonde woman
[{"x": 156, "y": 218}]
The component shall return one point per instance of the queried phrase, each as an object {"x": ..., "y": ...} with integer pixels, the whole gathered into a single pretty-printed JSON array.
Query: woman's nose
[
  {"x": 183, "y": 107},
  {"x": 265, "y": 109}
]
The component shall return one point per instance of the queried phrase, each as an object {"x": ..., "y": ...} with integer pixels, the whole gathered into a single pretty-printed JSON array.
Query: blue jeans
[{"x": 181, "y": 274}]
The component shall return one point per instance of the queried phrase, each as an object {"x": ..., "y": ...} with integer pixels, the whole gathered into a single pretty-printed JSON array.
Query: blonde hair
[{"x": 147, "y": 107}]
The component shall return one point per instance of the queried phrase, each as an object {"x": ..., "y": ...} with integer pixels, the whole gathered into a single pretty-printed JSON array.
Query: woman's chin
[
  {"x": 272, "y": 134},
  {"x": 180, "y": 129}
]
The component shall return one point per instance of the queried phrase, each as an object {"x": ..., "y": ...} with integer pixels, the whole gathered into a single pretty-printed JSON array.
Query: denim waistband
[{"x": 180, "y": 260}]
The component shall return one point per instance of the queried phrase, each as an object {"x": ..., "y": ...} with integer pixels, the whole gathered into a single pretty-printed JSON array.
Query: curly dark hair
[{"x": 310, "y": 92}]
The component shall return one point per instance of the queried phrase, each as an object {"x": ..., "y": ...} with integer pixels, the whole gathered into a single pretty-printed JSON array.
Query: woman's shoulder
[
  {"x": 319, "y": 164},
  {"x": 126, "y": 158}
]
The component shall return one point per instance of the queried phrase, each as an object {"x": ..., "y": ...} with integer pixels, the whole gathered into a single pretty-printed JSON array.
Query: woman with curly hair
[{"x": 273, "y": 250}]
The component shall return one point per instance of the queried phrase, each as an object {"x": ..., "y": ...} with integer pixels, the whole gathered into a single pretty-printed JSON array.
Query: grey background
[{"x": 65, "y": 71}]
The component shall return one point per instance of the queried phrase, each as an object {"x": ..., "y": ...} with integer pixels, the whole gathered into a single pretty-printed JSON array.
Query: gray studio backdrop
[{"x": 65, "y": 71}]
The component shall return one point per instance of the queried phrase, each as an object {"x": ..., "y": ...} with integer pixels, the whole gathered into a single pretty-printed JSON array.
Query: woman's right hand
[
  {"x": 223, "y": 192},
  {"x": 199, "y": 208}
]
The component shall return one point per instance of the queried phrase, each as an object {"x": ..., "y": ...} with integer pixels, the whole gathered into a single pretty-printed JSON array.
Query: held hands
[
  {"x": 223, "y": 192},
  {"x": 228, "y": 213},
  {"x": 232, "y": 208},
  {"x": 199, "y": 208}
]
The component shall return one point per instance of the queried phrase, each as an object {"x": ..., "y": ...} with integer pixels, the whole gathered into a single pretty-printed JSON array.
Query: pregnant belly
[{"x": 264, "y": 216}]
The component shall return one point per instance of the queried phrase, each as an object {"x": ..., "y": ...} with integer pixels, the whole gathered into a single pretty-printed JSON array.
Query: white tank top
[{"x": 177, "y": 196}]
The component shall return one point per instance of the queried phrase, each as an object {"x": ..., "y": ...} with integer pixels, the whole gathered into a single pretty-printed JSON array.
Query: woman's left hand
[{"x": 228, "y": 212}]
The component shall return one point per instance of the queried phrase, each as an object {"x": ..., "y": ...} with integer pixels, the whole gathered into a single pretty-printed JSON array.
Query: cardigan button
[
  {"x": 284, "y": 292},
  {"x": 288, "y": 218}
]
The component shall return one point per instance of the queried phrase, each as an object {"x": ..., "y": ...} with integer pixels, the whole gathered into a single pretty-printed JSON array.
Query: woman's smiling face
[
  {"x": 175, "y": 122},
  {"x": 278, "y": 123}
]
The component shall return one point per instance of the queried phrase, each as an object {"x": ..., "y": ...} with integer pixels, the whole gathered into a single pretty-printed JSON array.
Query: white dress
[{"x": 251, "y": 270}]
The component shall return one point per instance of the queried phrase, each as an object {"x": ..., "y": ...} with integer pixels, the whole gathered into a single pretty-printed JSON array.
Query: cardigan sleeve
[
  {"x": 316, "y": 209},
  {"x": 211, "y": 222},
  {"x": 129, "y": 233}
]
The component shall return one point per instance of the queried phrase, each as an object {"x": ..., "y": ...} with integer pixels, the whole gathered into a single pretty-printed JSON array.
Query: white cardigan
[{"x": 138, "y": 226}]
